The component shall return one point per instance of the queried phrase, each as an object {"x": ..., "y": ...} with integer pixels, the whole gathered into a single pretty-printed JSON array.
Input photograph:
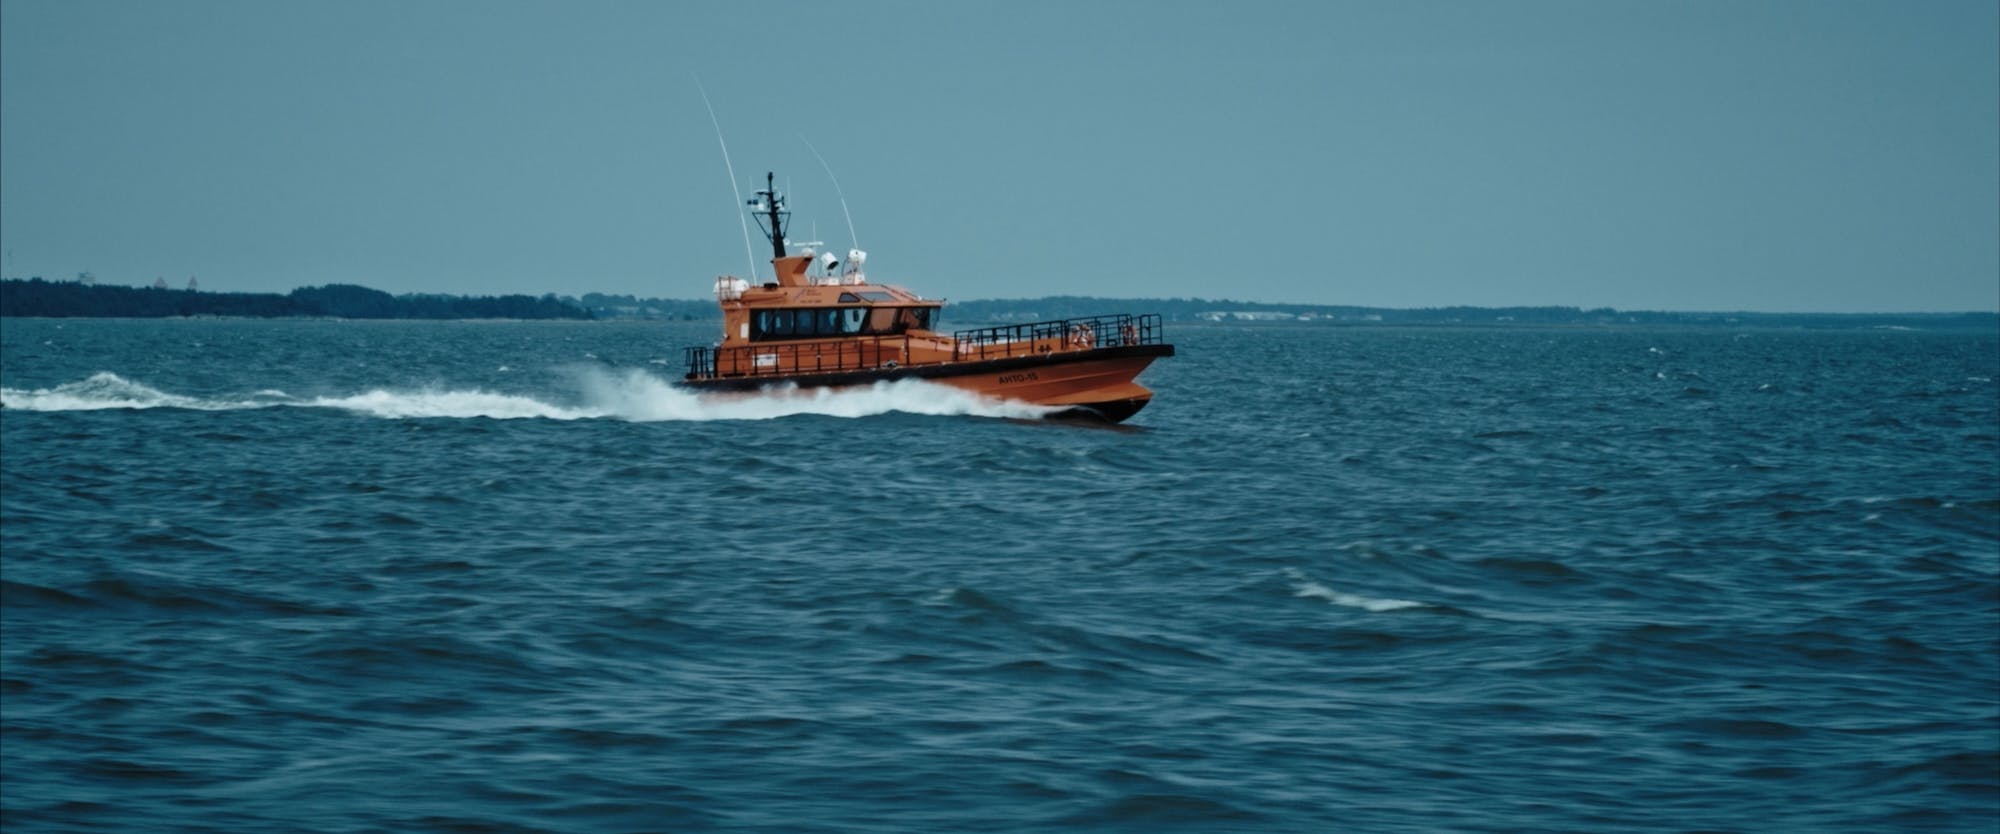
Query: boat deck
[{"x": 1042, "y": 339}]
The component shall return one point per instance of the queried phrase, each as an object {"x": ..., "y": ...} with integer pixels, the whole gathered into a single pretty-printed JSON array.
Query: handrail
[
  {"x": 869, "y": 352},
  {"x": 819, "y": 356},
  {"x": 1058, "y": 335}
]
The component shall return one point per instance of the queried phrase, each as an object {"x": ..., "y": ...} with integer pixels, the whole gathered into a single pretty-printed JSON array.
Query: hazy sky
[{"x": 1776, "y": 155}]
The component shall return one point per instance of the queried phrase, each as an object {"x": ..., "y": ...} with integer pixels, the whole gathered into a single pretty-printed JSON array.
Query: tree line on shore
[
  {"x": 75, "y": 299},
  {"x": 1220, "y": 310}
]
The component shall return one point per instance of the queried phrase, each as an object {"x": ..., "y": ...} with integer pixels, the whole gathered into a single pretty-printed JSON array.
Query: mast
[{"x": 772, "y": 215}]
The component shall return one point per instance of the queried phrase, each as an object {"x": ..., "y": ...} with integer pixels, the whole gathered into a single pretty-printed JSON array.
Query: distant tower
[
  {"x": 192, "y": 285},
  {"x": 86, "y": 279},
  {"x": 159, "y": 283}
]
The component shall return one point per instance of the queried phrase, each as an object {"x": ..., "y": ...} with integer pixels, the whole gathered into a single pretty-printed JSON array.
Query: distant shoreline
[
  {"x": 1809, "y": 322},
  {"x": 37, "y": 298}
]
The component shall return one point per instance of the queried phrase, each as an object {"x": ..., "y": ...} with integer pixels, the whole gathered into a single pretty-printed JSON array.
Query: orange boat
[{"x": 822, "y": 324}]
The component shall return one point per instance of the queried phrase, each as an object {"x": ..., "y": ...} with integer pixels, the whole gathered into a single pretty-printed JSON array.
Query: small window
[
  {"x": 876, "y": 295},
  {"x": 849, "y": 298}
]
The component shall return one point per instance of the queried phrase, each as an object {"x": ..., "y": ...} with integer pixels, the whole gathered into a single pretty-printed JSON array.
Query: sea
[{"x": 487, "y": 576}]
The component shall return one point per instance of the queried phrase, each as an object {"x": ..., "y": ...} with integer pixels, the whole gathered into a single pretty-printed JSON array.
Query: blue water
[{"x": 482, "y": 576}]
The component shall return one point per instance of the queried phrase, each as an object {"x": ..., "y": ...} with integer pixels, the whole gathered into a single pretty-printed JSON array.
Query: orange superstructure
[{"x": 821, "y": 323}]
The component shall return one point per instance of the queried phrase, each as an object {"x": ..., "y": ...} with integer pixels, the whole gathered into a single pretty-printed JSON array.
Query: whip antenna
[
  {"x": 748, "y": 253},
  {"x": 836, "y": 190}
]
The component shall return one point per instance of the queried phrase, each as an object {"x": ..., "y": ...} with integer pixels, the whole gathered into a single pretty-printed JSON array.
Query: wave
[
  {"x": 1304, "y": 586},
  {"x": 633, "y": 395},
  {"x": 105, "y": 390},
  {"x": 434, "y": 403}
]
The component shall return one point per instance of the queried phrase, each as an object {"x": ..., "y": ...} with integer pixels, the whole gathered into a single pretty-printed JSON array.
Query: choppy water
[{"x": 398, "y": 576}]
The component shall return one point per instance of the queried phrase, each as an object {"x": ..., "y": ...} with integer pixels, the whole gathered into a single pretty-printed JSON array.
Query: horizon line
[{"x": 1016, "y": 300}]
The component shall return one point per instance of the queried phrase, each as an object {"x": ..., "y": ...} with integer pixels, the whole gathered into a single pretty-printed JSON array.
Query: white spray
[{"x": 633, "y": 395}]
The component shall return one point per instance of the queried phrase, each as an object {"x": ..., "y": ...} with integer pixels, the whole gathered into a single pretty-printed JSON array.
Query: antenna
[
  {"x": 748, "y": 253},
  {"x": 836, "y": 190},
  {"x": 772, "y": 205}
]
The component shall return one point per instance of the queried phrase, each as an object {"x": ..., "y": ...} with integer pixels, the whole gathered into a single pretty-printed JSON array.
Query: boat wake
[
  {"x": 632, "y": 395},
  {"x": 105, "y": 390}
]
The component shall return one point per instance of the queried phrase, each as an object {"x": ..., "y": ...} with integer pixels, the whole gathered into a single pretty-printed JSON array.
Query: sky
[{"x": 1776, "y": 155}]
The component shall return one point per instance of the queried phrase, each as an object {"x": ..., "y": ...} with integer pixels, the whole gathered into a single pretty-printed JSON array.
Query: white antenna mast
[
  {"x": 748, "y": 253},
  {"x": 836, "y": 190}
]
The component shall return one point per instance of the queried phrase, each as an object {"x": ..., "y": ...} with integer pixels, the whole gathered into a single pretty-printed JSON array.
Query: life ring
[{"x": 1080, "y": 336}]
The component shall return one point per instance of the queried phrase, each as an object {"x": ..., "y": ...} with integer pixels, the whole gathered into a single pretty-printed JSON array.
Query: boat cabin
[
  {"x": 819, "y": 309},
  {"x": 819, "y": 313}
]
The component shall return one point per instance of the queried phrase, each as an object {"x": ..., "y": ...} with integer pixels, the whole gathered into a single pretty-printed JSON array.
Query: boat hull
[{"x": 1085, "y": 384}]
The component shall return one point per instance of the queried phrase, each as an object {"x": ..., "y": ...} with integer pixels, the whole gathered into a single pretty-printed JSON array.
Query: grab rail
[
  {"x": 820, "y": 356},
  {"x": 1059, "y": 335}
]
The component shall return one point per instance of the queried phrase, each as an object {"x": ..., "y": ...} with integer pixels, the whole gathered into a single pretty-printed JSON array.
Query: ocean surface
[{"x": 343, "y": 576}]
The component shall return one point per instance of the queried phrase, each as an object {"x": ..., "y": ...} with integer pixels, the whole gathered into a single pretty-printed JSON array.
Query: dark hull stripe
[{"x": 1109, "y": 411}]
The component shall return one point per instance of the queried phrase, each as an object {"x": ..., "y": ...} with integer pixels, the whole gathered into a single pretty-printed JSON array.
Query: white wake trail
[
  {"x": 105, "y": 390},
  {"x": 641, "y": 397},
  {"x": 460, "y": 404},
  {"x": 632, "y": 395}
]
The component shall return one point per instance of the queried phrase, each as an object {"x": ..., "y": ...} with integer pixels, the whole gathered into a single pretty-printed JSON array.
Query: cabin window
[
  {"x": 828, "y": 322},
  {"x": 771, "y": 324},
  {"x": 849, "y": 298},
  {"x": 875, "y": 295},
  {"x": 807, "y": 323}
]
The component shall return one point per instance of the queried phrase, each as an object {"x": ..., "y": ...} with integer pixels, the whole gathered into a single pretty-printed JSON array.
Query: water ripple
[{"x": 356, "y": 579}]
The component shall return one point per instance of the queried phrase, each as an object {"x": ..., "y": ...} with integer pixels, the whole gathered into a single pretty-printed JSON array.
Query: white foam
[
  {"x": 1304, "y": 586},
  {"x": 633, "y": 395},
  {"x": 640, "y": 396},
  {"x": 431, "y": 403},
  {"x": 106, "y": 390}
]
